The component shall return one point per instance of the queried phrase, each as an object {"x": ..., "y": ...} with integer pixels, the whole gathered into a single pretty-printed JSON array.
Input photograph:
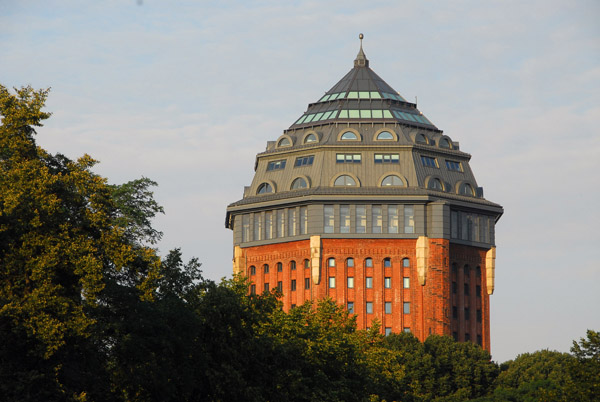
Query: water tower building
[{"x": 364, "y": 200}]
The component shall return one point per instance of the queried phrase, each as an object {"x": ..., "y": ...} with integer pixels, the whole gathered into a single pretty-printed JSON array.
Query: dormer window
[
  {"x": 466, "y": 189},
  {"x": 445, "y": 143},
  {"x": 310, "y": 138},
  {"x": 344, "y": 180},
  {"x": 392, "y": 181},
  {"x": 284, "y": 142},
  {"x": 435, "y": 184},
  {"x": 299, "y": 183},
  {"x": 349, "y": 135},
  {"x": 264, "y": 188},
  {"x": 385, "y": 135},
  {"x": 421, "y": 139}
]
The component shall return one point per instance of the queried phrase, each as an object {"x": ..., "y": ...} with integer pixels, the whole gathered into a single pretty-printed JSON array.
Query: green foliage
[{"x": 89, "y": 312}]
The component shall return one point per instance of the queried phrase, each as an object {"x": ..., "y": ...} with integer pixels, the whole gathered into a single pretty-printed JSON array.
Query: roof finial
[{"x": 361, "y": 59}]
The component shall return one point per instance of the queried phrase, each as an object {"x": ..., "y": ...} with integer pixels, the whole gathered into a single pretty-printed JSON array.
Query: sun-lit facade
[{"x": 364, "y": 200}]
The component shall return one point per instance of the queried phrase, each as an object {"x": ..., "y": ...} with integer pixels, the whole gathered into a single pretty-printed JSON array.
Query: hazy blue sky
[{"x": 187, "y": 92}]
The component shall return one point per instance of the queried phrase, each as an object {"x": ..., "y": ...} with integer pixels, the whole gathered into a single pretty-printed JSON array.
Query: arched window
[
  {"x": 331, "y": 262},
  {"x": 264, "y": 188},
  {"x": 279, "y": 267},
  {"x": 349, "y": 135},
  {"x": 385, "y": 135},
  {"x": 421, "y": 139},
  {"x": 368, "y": 263},
  {"x": 444, "y": 143},
  {"x": 252, "y": 270},
  {"x": 292, "y": 265},
  {"x": 387, "y": 262},
  {"x": 392, "y": 180},
  {"x": 466, "y": 189},
  {"x": 350, "y": 262},
  {"x": 435, "y": 184},
  {"x": 266, "y": 268},
  {"x": 405, "y": 262},
  {"x": 299, "y": 183},
  {"x": 284, "y": 142},
  {"x": 306, "y": 263},
  {"x": 310, "y": 138},
  {"x": 344, "y": 180}
]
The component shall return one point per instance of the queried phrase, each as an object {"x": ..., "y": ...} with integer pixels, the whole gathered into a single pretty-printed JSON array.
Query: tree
[{"x": 61, "y": 237}]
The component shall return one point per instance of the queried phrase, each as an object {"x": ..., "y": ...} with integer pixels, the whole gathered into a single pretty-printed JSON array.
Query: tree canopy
[{"x": 90, "y": 312}]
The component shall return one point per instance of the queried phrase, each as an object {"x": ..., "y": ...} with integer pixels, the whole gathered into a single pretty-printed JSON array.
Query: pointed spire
[{"x": 361, "y": 60}]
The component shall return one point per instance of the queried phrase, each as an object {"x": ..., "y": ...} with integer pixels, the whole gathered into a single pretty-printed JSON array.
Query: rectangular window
[
  {"x": 245, "y": 228},
  {"x": 266, "y": 287},
  {"x": 406, "y": 329},
  {"x": 276, "y": 165},
  {"x": 388, "y": 331},
  {"x": 269, "y": 225},
  {"x": 455, "y": 312},
  {"x": 478, "y": 315},
  {"x": 453, "y": 165},
  {"x": 306, "y": 283},
  {"x": 252, "y": 289},
  {"x": 406, "y": 282},
  {"x": 454, "y": 224},
  {"x": 369, "y": 282},
  {"x": 257, "y": 226},
  {"x": 377, "y": 219},
  {"x": 361, "y": 219},
  {"x": 280, "y": 286},
  {"x": 467, "y": 314},
  {"x": 409, "y": 219},
  {"x": 406, "y": 307},
  {"x": 350, "y": 282},
  {"x": 328, "y": 218},
  {"x": 388, "y": 307},
  {"x": 344, "y": 218},
  {"x": 293, "y": 287},
  {"x": 429, "y": 161},
  {"x": 280, "y": 223},
  {"x": 304, "y": 160},
  {"x": 387, "y": 282},
  {"x": 303, "y": 220},
  {"x": 291, "y": 222},
  {"x": 464, "y": 224},
  {"x": 392, "y": 218},
  {"x": 466, "y": 289},
  {"x": 478, "y": 290},
  {"x": 351, "y": 307},
  {"x": 332, "y": 282},
  {"x": 454, "y": 288},
  {"x": 348, "y": 158},
  {"x": 387, "y": 158},
  {"x": 369, "y": 307}
]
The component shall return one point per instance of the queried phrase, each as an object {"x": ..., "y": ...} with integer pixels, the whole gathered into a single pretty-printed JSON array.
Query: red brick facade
[{"x": 453, "y": 300}]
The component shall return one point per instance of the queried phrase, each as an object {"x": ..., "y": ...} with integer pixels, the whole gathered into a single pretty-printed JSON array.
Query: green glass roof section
[{"x": 361, "y": 94}]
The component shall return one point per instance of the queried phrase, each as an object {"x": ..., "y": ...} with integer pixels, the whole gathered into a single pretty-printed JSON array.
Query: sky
[{"x": 188, "y": 92}]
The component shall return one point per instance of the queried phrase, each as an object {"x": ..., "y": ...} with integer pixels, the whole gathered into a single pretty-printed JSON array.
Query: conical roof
[{"x": 361, "y": 95}]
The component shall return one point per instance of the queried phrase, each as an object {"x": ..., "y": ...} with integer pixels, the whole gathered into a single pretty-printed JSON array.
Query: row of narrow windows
[
  {"x": 349, "y": 135},
  {"x": 273, "y": 224},
  {"x": 331, "y": 262},
  {"x": 471, "y": 226},
  {"x": 383, "y": 219},
  {"x": 354, "y": 158},
  {"x": 344, "y": 218}
]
